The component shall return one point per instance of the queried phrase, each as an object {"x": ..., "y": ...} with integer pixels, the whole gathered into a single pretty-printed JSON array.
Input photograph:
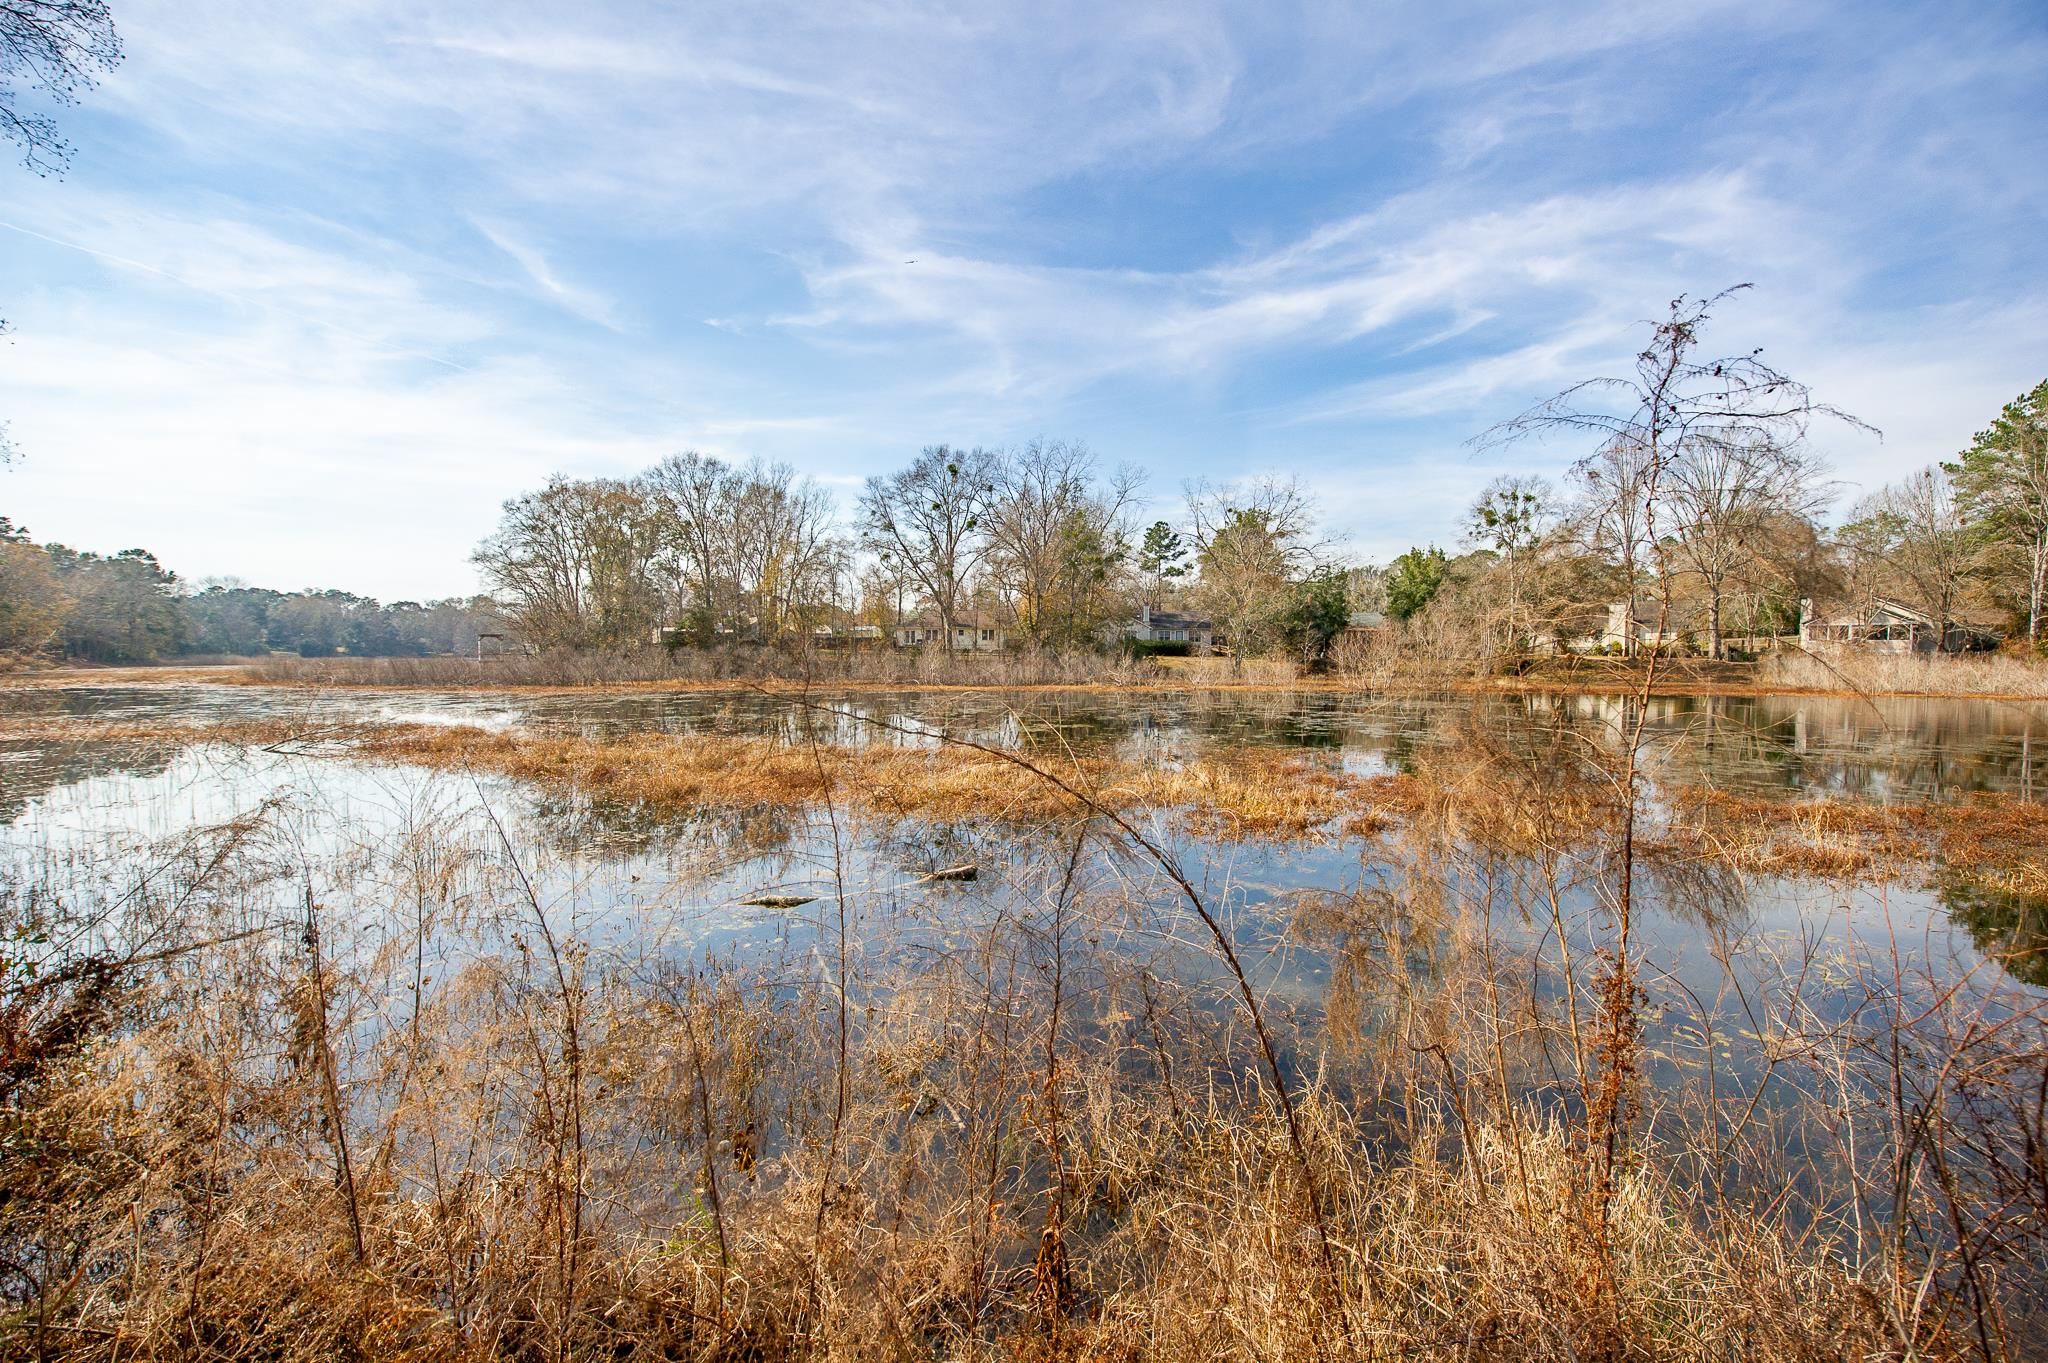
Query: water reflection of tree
[
  {"x": 1699, "y": 893},
  {"x": 2010, "y": 928},
  {"x": 34, "y": 768},
  {"x": 1877, "y": 747},
  {"x": 1384, "y": 949}
]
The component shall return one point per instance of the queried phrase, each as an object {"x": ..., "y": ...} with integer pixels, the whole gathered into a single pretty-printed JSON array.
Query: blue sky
[{"x": 326, "y": 283}]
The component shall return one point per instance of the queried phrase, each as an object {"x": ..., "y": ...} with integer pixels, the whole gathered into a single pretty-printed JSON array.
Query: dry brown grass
[
  {"x": 2000, "y": 841},
  {"x": 1993, "y": 675},
  {"x": 559, "y": 1155},
  {"x": 452, "y": 1121},
  {"x": 44, "y": 675},
  {"x": 1252, "y": 791},
  {"x": 694, "y": 667}
]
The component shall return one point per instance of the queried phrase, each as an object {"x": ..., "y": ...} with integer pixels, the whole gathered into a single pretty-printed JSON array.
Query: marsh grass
[
  {"x": 1926, "y": 674},
  {"x": 1466, "y": 788},
  {"x": 1240, "y": 792},
  {"x": 400, "y": 1096},
  {"x": 1391, "y": 666},
  {"x": 1997, "y": 841}
]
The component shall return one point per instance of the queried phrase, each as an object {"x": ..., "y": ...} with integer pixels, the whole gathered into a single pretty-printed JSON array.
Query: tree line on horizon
[
  {"x": 1700, "y": 515},
  {"x": 1710, "y": 528},
  {"x": 128, "y": 608}
]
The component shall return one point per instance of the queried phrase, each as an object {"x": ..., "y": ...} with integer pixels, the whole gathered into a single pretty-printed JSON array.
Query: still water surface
[{"x": 671, "y": 886}]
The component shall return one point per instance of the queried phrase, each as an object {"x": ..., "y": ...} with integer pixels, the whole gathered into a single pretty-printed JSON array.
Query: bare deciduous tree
[
  {"x": 54, "y": 48},
  {"x": 1252, "y": 543},
  {"x": 1614, "y": 505},
  {"x": 1914, "y": 536},
  {"x": 1510, "y": 518},
  {"x": 575, "y": 563},
  {"x": 1673, "y": 406},
  {"x": 1645, "y": 422},
  {"x": 929, "y": 519},
  {"x": 1724, "y": 497},
  {"x": 788, "y": 550},
  {"x": 697, "y": 501},
  {"x": 751, "y": 551},
  {"x": 1057, "y": 538}
]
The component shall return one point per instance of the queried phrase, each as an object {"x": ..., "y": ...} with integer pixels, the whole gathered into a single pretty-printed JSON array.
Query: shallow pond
[{"x": 656, "y": 885}]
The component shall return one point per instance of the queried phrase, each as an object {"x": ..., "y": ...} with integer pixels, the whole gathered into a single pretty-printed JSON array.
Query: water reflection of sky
[{"x": 662, "y": 885}]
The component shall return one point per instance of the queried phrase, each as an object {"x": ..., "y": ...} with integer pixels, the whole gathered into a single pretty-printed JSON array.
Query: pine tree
[
  {"x": 2001, "y": 485},
  {"x": 1162, "y": 557}
]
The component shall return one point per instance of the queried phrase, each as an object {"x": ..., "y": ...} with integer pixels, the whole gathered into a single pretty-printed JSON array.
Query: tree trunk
[
  {"x": 2037, "y": 588},
  {"x": 1715, "y": 649}
]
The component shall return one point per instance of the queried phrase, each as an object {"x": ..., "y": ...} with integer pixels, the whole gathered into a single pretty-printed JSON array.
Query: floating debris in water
[
  {"x": 968, "y": 872},
  {"x": 779, "y": 901}
]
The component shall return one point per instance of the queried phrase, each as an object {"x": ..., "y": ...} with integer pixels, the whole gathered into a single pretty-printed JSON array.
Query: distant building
[
  {"x": 491, "y": 643},
  {"x": 846, "y": 636},
  {"x": 1365, "y": 624},
  {"x": 1885, "y": 626},
  {"x": 1649, "y": 621},
  {"x": 1172, "y": 627},
  {"x": 974, "y": 631},
  {"x": 747, "y": 631}
]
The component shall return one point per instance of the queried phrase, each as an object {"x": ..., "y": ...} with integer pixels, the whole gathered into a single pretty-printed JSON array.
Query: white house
[
  {"x": 1677, "y": 621},
  {"x": 974, "y": 631}
]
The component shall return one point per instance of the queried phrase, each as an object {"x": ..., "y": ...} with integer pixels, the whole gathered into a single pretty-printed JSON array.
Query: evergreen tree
[
  {"x": 1413, "y": 579},
  {"x": 2001, "y": 488},
  {"x": 1162, "y": 557},
  {"x": 1321, "y": 611}
]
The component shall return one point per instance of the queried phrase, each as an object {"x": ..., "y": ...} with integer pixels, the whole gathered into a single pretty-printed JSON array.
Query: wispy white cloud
[
  {"x": 584, "y": 303},
  {"x": 302, "y": 247}
]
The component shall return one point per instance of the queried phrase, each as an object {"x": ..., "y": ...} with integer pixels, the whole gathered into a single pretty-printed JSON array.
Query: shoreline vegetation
[
  {"x": 400, "y": 1101},
  {"x": 1962, "y": 677}
]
